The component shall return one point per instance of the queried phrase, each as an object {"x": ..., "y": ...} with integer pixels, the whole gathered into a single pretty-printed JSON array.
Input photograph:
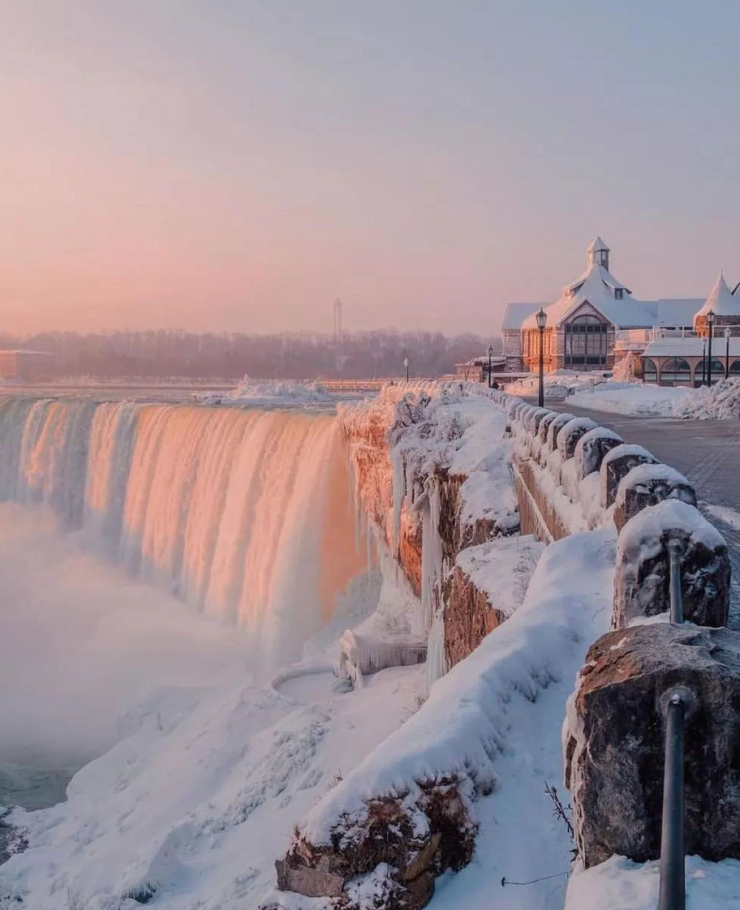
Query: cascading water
[{"x": 243, "y": 514}]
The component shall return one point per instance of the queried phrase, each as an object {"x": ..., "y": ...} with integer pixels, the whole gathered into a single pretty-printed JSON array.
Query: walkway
[{"x": 702, "y": 450}]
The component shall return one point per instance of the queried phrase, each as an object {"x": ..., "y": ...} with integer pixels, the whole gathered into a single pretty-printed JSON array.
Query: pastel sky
[{"x": 236, "y": 165}]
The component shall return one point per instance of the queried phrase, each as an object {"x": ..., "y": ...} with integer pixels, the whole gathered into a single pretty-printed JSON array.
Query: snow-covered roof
[
  {"x": 516, "y": 313},
  {"x": 691, "y": 347},
  {"x": 675, "y": 311},
  {"x": 596, "y": 290},
  {"x": 721, "y": 300},
  {"x": 597, "y": 244}
]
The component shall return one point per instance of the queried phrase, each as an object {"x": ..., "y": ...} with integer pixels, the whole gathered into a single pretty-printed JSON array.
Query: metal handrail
[{"x": 672, "y": 844}]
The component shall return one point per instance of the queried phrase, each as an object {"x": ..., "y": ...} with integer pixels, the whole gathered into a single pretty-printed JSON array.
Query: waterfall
[{"x": 242, "y": 514}]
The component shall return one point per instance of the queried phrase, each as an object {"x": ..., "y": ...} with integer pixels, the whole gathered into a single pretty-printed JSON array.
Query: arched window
[
  {"x": 675, "y": 371},
  {"x": 586, "y": 343},
  {"x": 718, "y": 370},
  {"x": 649, "y": 370},
  {"x": 735, "y": 367}
]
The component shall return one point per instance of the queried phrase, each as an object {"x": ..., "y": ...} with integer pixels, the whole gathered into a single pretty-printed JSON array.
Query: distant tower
[{"x": 337, "y": 319}]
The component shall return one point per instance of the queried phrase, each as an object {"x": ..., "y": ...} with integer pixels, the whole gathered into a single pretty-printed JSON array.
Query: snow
[
  {"x": 722, "y": 402},
  {"x": 633, "y": 399},
  {"x": 729, "y": 516},
  {"x": 645, "y": 530},
  {"x": 272, "y": 392},
  {"x": 465, "y": 726},
  {"x": 502, "y": 568},
  {"x": 721, "y": 300},
  {"x": 619, "y": 884},
  {"x": 200, "y": 796},
  {"x": 645, "y": 474}
]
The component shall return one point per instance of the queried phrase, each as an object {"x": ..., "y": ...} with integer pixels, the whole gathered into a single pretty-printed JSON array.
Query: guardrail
[{"x": 672, "y": 842}]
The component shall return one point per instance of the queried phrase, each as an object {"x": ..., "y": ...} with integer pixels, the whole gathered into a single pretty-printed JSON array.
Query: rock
[
  {"x": 387, "y": 835},
  {"x": 617, "y": 464},
  {"x": 615, "y": 741},
  {"x": 468, "y": 616},
  {"x": 642, "y": 576},
  {"x": 571, "y": 433},
  {"x": 647, "y": 485},
  {"x": 591, "y": 449}
]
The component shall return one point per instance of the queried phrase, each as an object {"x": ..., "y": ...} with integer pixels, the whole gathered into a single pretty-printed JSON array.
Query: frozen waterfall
[{"x": 243, "y": 514}]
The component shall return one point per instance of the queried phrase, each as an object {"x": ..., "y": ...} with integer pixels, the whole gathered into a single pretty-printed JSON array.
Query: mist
[{"x": 82, "y": 643}]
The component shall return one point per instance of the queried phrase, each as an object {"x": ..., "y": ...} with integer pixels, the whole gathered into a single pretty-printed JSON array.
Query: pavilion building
[{"x": 595, "y": 321}]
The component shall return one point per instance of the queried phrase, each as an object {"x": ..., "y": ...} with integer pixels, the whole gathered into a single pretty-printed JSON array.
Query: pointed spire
[{"x": 720, "y": 300}]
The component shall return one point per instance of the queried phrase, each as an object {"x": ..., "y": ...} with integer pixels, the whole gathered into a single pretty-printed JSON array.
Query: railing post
[
  {"x": 672, "y": 842},
  {"x": 672, "y": 850},
  {"x": 675, "y": 551}
]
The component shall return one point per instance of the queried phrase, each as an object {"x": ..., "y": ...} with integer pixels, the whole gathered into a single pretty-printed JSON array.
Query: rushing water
[{"x": 242, "y": 514}]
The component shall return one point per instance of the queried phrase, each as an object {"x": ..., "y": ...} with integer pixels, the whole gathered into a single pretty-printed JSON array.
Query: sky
[{"x": 235, "y": 165}]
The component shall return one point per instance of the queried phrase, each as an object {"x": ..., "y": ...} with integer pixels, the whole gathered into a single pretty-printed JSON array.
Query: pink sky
[{"x": 238, "y": 165}]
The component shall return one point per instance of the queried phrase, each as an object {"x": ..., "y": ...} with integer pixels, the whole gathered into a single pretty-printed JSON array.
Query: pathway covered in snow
[{"x": 706, "y": 452}]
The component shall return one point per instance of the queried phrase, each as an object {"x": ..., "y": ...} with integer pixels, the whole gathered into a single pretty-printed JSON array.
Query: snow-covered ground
[{"x": 600, "y": 393}]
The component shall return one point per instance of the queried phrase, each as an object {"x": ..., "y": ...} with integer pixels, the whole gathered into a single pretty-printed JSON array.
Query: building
[
  {"x": 595, "y": 321},
  {"x": 26, "y": 365},
  {"x": 684, "y": 360}
]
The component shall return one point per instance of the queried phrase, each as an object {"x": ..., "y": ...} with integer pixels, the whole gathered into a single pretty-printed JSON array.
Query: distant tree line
[{"x": 169, "y": 353}]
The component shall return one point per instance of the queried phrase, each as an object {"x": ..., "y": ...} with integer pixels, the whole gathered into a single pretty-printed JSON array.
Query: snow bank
[
  {"x": 463, "y": 728},
  {"x": 272, "y": 392},
  {"x": 619, "y": 884},
  {"x": 722, "y": 402}
]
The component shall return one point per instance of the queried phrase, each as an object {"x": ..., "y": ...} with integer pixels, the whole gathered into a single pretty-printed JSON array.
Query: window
[
  {"x": 649, "y": 370},
  {"x": 586, "y": 343},
  {"x": 619, "y": 293},
  {"x": 675, "y": 371},
  {"x": 735, "y": 367}
]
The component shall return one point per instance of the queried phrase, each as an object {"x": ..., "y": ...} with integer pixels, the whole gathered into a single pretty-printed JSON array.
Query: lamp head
[
  {"x": 541, "y": 319},
  {"x": 711, "y": 317}
]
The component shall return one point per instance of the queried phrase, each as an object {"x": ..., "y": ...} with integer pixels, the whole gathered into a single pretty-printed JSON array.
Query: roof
[
  {"x": 516, "y": 313},
  {"x": 692, "y": 347},
  {"x": 721, "y": 300},
  {"x": 597, "y": 244},
  {"x": 599, "y": 292},
  {"x": 676, "y": 311}
]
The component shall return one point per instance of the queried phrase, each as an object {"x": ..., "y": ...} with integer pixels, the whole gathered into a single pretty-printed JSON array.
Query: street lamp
[
  {"x": 710, "y": 322},
  {"x": 406, "y": 364},
  {"x": 490, "y": 354},
  {"x": 541, "y": 319},
  {"x": 728, "y": 332},
  {"x": 704, "y": 361}
]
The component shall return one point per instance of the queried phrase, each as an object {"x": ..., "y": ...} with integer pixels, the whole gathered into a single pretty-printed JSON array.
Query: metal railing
[{"x": 672, "y": 844}]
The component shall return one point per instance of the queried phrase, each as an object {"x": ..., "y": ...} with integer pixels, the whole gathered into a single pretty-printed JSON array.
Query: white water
[{"x": 242, "y": 514}]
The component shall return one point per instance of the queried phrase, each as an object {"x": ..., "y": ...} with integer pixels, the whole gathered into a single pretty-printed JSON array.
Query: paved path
[{"x": 707, "y": 452}]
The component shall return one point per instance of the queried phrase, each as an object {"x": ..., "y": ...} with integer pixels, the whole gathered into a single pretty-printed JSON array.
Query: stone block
[
  {"x": 647, "y": 485},
  {"x": 614, "y": 741},
  {"x": 642, "y": 573},
  {"x": 617, "y": 464}
]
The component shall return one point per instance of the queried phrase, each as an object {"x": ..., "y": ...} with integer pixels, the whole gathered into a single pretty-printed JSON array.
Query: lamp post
[
  {"x": 704, "y": 361},
  {"x": 541, "y": 319},
  {"x": 406, "y": 364},
  {"x": 710, "y": 322},
  {"x": 490, "y": 354},
  {"x": 728, "y": 332}
]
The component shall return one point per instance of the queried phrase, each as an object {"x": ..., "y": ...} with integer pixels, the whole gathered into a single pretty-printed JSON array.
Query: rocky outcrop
[
  {"x": 615, "y": 740},
  {"x": 642, "y": 579},
  {"x": 417, "y": 840},
  {"x": 468, "y": 615}
]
